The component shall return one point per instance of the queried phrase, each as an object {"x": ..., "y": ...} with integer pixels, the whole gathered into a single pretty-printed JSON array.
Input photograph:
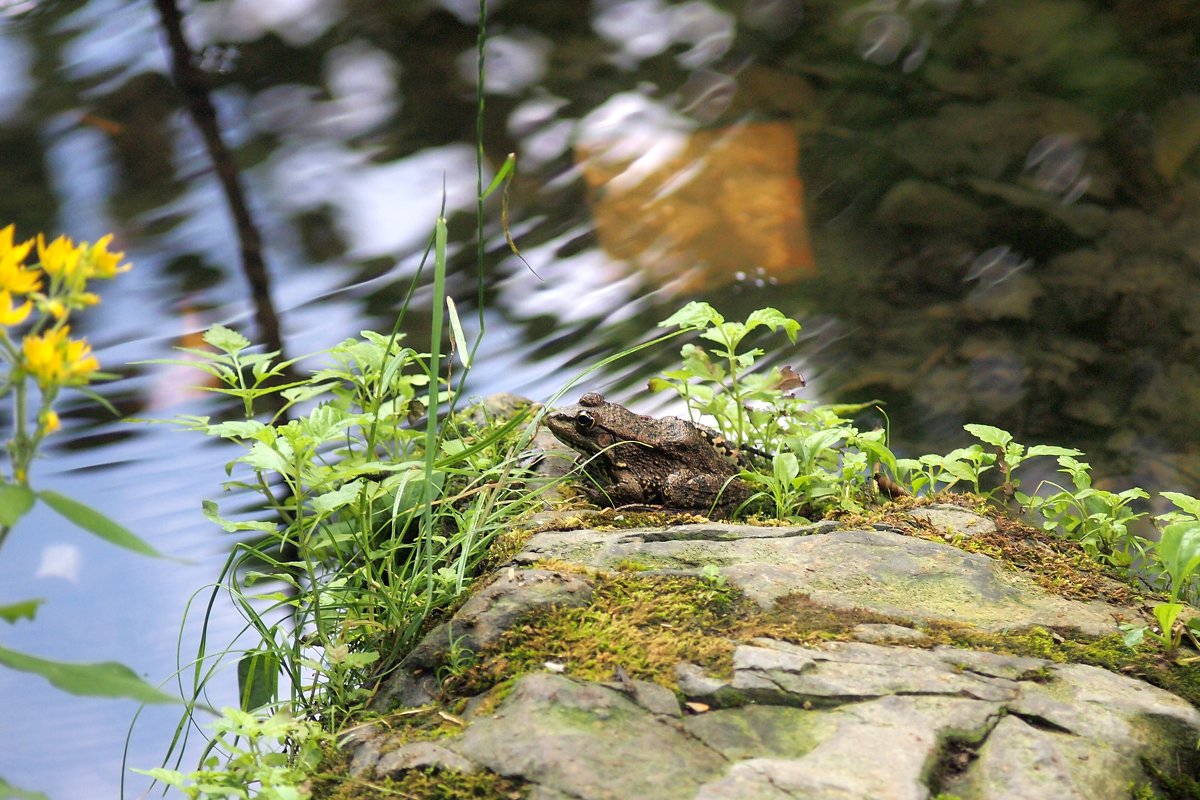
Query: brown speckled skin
[{"x": 630, "y": 459}]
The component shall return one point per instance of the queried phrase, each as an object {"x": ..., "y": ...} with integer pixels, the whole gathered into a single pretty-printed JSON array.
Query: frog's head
[{"x": 588, "y": 426}]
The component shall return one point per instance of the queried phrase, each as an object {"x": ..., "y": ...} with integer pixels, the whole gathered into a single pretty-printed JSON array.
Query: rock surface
[{"x": 879, "y": 717}]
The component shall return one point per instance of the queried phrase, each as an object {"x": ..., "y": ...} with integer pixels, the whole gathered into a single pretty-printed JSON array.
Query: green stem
[{"x": 431, "y": 427}]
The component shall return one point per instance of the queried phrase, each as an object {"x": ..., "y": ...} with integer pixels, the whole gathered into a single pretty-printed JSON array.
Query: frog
[{"x": 628, "y": 459}]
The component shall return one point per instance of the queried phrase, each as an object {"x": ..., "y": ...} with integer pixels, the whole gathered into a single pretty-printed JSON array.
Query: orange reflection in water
[{"x": 727, "y": 203}]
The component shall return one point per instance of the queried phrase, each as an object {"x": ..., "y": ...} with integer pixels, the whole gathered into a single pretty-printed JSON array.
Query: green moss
[
  {"x": 421, "y": 784},
  {"x": 645, "y": 624},
  {"x": 632, "y": 565}
]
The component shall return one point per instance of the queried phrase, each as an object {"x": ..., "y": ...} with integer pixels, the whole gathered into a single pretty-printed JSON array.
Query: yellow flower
[
  {"x": 49, "y": 421},
  {"x": 56, "y": 308},
  {"x": 54, "y": 358},
  {"x": 14, "y": 277},
  {"x": 8, "y": 314},
  {"x": 61, "y": 258},
  {"x": 103, "y": 264}
]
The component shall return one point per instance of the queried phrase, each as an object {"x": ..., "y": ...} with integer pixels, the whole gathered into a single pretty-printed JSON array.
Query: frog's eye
[{"x": 584, "y": 421}]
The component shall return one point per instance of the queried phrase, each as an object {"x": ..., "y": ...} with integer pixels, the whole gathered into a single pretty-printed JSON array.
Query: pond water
[{"x": 981, "y": 212}]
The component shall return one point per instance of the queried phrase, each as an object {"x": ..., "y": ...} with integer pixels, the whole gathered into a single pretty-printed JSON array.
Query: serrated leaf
[
  {"x": 1051, "y": 450},
  {"x": 264, "y": 457},
  {"x": 100, "y": 679},
  {"x": 694, "y": 316},
  {"x": 15, "y": 502},
  {"x": 26, "y": 609},
  {"x": 774, "y": 319},
  {"x": 1184, "y": 502},
  {"x": 989, "y": 434},
  {"x": 225, "y": 339},
  {"x": 96, "y": 523},
  {"x": 237, "y": 429}
]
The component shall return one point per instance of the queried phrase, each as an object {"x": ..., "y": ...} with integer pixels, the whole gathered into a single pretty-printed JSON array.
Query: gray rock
[
  {"x": 587, "y": 741},
  {"x": 954, "y": 519},
  {"x": 840, "y": 720},
  {"x": 421, "y": 755},
  {"x": 880, "y": 571},
  {"x": 881, "y": 632},
  {"x": 481, "y": 621}
]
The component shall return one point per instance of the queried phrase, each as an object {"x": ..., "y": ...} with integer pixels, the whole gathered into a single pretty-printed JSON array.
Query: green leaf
[
  {"x": 786, "y": 468},
  {"x": 329, "y": 502},
  {"x": 1133, "y": 634},
  {"x": 236, "y": 429},
  {"x": 96, "y": 523},
  {"x": 1166, "y": 614},
  {"x": 1051, "y": 450},
  {"x": 7, "y": 790},
  {"x": 258, "y": 679},
  {"x": 225, "y": 339},
  {"x": 773, "y": 319},
  {"x": 505, "y": 170},
  {"x": 15, "y": 502},
  {"x": 456, "y": 331},
  {"x": 209, "y": 509},
  {"x": 26, "y": 609},
  {"x": 989, "y": 435},
  {"x": 101, "y": 679},
  {"x": 694, "y": 316},
  {"x": 1185, "y": 502},
  {"x": 264, "y": 457}
]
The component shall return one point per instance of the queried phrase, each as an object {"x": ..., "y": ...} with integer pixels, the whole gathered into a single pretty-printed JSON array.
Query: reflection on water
[{"x": 984, "y": 211}]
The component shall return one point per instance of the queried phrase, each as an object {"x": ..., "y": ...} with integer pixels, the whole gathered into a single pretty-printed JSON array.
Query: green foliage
[
  {"x": 369, "y": 529},
  {"x": 719, "y": 381},
  {"x": 102, "y": 679},
  {"x": 819, "y": 460},
  {"x": 1177, "y": 553},
  {"x": 933, "y": 473},
  {"x": 266, "y": 758},
  {"x": 1096, "y": 518}
]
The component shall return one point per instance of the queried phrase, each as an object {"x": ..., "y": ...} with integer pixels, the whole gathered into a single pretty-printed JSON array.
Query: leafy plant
[
  {"x": 933, "y": 473},
  {"x": 817, "y": 459},
  {"x": 1177, "y": 553},
  {"x": 1096, "y": 518},
  {"x": 249, "y": 756},
  {"x": 719, "y": 382},
  {"x": 368, "y": 529}
]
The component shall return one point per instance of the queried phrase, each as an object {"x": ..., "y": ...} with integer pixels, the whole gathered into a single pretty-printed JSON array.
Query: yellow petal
[{"x": 12, "y": 316}]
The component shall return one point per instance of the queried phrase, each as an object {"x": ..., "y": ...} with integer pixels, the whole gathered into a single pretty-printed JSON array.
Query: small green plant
[
  {"x": 370, "y": 529},
  {"x": 1010, "y": 454},
  {"x": 718, "y": 382},
  {"x": 458, "y": 660},
  {"x": 934, "y": 473},
  {"x": 711, "y": 574},
  {"x": 1177, "y": 553},
  {"x": 250, "y": 756},
  {"x": 1096, "y": 518},
  {"x": 813, "y": 458}
]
